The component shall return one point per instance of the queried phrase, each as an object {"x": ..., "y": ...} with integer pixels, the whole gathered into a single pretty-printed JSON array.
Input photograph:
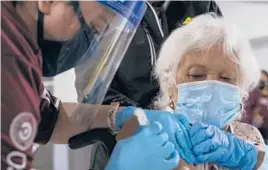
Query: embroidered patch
[{"x": 23, "y": 130}]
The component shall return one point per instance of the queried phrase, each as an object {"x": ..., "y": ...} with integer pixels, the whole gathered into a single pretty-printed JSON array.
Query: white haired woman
[{"x": 205, "y": 70}]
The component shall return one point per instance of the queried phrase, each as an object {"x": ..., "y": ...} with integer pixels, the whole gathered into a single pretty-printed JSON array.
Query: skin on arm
[
  {"x": 75, "y": 118},
  {"x": 67, "y": 124}
]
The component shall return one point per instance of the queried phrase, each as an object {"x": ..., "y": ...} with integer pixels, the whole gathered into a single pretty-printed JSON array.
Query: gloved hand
[
  {"x": 175, "y": 125},
  {"x": 149, "y": 149},
  {"x": 214, "y": 145}
]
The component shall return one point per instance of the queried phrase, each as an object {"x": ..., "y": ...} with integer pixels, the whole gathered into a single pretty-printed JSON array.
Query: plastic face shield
[
  {"x": 95, "y": 42},
  {"x": 101, "y": 43}
]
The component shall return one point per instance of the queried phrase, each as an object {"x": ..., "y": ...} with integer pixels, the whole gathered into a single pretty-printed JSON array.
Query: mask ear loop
[
  {"x": 174, "y": 81},
  {"x": 172, "y": 103}
]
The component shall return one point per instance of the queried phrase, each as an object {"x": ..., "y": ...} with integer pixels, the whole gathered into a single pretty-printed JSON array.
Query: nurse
[{"x": 29, "y": 32}]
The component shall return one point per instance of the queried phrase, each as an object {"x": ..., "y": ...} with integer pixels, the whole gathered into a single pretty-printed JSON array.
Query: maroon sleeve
[
  {"x": 22, "y": 93},
  {"x": 20, "y": 112},
  {"x": 22, "y": 107}
]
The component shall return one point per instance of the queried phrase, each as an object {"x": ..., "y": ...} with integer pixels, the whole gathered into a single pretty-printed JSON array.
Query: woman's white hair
[{"x": 202, "y": 33}]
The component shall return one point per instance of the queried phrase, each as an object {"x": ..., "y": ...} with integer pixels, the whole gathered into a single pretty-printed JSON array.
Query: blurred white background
[{"x": 250, "y": 17}]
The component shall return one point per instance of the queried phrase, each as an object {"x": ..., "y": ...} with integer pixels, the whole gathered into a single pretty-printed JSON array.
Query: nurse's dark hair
[
  {"x": 15, "y": 3},
  {"x": 265, "y": 73}
]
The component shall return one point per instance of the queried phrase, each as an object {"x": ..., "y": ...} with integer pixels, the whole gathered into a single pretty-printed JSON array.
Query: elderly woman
[{"x": 205, "y": 71}]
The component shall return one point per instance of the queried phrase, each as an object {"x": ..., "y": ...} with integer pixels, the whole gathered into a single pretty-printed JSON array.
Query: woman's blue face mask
[{"x": 211, "y": 102}]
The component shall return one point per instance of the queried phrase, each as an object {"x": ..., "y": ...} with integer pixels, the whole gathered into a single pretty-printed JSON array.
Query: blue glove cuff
[
  {"x": 250, "y": 159},
  {"x": 124, "y": 115},
  {"x": 244, "y": 155}
]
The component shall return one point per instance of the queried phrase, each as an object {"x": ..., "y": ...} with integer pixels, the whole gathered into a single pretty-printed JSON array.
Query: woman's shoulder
[{"x": 247, "y": 132}]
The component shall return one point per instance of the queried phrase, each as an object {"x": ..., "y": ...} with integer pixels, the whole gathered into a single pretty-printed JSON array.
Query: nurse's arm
[{"x": 75, "y": 118}]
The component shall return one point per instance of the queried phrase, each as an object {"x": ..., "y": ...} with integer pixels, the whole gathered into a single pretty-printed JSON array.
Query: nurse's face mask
[{"x": 211, "y": 102}]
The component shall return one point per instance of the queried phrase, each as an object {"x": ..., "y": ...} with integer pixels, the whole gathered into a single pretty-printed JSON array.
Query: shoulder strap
[{"x": 153, "y": 24}]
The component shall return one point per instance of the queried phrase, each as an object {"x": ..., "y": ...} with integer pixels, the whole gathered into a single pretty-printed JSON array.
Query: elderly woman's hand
[{"x": 210, "y": 144}]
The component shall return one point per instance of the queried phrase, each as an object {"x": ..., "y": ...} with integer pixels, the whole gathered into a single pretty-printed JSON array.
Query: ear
[{"x": 45, "y": 6}]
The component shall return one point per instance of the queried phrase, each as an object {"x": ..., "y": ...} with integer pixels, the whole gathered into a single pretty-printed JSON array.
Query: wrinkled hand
[
  {"x": 148, "y": 149},
  {"x": 185, "y": 145},
  {"x": 210, "y": 144},
  {"x": 175, "y": 125}
]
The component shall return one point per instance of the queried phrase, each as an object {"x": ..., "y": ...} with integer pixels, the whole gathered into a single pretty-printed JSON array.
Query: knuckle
[
  {"x": 156, "y": 126},
  {"x": 171, "y": 145},
  {"x": 164, "y": 136}
]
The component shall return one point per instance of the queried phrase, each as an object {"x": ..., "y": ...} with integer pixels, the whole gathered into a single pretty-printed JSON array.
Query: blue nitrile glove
[
  {"x": 148, "y": 149},
  {"x": 175, "y": 125},
  {"x": 210, "y": 144},
  {"x": 185, "y": 146}
]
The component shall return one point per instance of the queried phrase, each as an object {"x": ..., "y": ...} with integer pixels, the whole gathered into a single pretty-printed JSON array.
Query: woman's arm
[{"x": 75, "y": 118}]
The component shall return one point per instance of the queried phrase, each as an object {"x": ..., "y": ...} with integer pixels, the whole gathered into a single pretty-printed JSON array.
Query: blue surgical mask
[{"x": 211, "y": 102}]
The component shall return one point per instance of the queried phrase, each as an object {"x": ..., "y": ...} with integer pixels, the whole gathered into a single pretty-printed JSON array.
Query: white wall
[
  {"x": 251, "y": 18},
  {"x": 260, "y": 49},
  {"x": 64, "y": 86}
]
